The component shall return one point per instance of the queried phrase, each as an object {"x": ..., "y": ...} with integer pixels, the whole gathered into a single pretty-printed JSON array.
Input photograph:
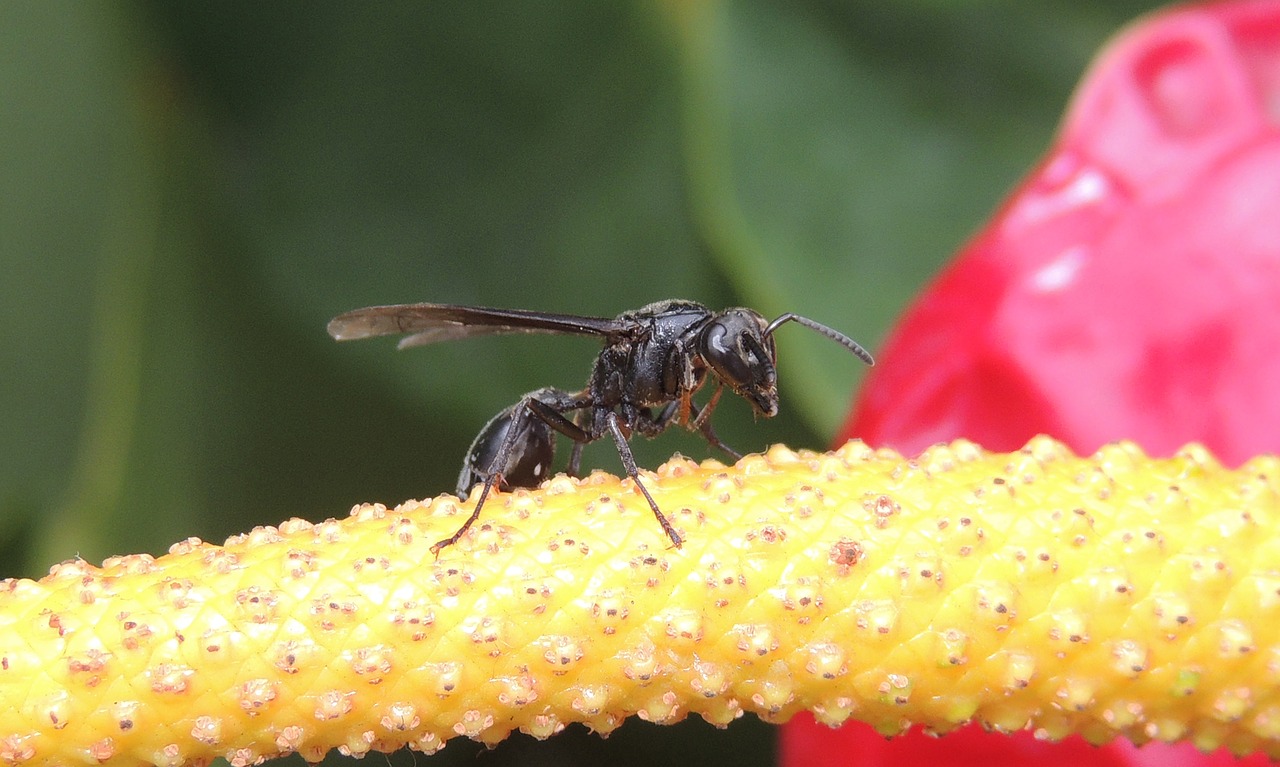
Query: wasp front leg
[{"x": 700, "y": 422}]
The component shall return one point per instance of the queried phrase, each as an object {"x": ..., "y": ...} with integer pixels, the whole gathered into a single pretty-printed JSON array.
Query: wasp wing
[{"x": 432, "y": 323}]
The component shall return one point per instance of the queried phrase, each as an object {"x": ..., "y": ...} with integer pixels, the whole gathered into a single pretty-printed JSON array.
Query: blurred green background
[{"x": 188, "y": 192}]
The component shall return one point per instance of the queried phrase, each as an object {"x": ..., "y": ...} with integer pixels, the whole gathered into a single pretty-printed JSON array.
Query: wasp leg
[
  {"x": 708, "y": 433},
  {"x": 494, "y": 476},
  {"x": 553, "y": 415},
  {"x": 700, "y": 420},
  {"x": 575, "y": 460},
  {"x": 546, "y": 406},
  {"x": 475, "y": 514},
  {"x": 645, "y": 422},
  {"x": 629, "y": 463}
]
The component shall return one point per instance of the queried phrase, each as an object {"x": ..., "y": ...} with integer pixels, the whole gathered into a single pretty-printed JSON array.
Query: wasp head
[{"x": 739, "y": 349}]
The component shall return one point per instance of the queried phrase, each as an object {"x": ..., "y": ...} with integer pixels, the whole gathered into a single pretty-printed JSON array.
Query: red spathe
[{"x": 1130, "y": 289}]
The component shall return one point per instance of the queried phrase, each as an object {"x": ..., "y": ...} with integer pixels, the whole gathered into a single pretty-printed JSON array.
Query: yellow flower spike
[{"x": 1110, "y": 596}]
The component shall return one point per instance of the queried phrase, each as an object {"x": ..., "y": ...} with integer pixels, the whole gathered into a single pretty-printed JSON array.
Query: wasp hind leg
[{"x": 525, "y": 449}]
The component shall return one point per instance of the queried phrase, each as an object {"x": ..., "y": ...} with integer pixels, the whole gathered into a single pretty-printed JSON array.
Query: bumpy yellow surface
[{"x": 1114, "y": 595}]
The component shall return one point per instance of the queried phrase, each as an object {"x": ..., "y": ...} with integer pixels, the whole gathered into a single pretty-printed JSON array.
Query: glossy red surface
[{"x": 1130, "y": 288}]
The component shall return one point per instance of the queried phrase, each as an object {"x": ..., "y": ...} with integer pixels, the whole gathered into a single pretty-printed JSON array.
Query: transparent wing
[{"x": 432, "y": 323}]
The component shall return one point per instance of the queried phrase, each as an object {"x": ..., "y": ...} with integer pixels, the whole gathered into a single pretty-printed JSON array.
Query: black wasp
[{"x": 653, "y": 361}]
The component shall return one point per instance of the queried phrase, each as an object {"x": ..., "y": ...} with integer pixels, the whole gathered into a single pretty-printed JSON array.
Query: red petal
[{"x": 1129, "y": 289}]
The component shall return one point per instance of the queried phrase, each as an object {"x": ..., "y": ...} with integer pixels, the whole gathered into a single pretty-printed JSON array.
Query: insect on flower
[{"x": 653, "y": 361}]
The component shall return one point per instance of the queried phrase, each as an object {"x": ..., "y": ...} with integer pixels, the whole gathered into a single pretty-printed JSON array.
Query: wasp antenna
[{"x": 832, "y": 333}]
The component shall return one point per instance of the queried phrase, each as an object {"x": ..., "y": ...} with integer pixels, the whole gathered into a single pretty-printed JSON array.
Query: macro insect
[{"x": 653, "y": 361}]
